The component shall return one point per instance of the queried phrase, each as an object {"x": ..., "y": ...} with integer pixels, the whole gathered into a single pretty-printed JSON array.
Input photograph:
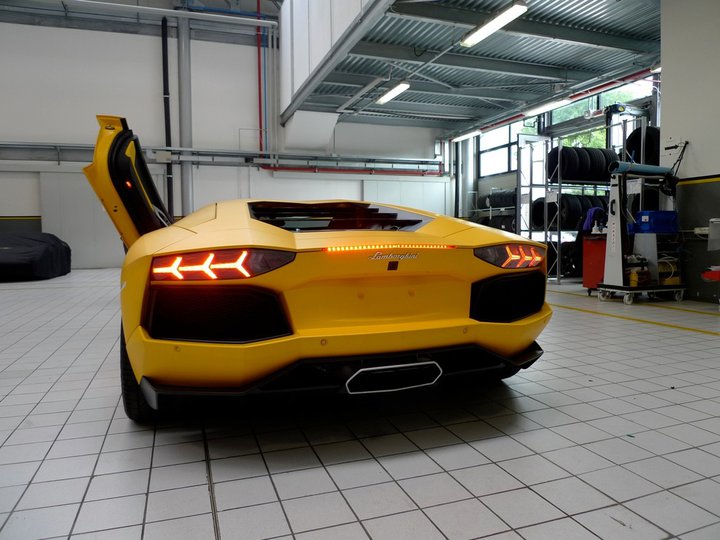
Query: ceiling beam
[
  {"x": 388, "y": 53},
  {"x": 425, "y": 87},
  {"x": 398, "y": 121},
  {"x": 390, "y": 119},
  {"x": 464, "y": 18},
  {"x": 199, "y": 32},
  {"x": 458, "y": 112}
]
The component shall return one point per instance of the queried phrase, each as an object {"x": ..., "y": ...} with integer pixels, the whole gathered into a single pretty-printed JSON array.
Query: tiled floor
[{"x": 614, "y": 433}]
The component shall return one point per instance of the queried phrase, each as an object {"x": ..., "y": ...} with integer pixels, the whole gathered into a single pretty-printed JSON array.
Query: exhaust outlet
[{"x": 393, "y": 378}]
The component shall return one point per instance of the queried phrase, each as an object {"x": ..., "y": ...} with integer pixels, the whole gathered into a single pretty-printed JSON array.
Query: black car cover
[{"x": 32, "y": 255}]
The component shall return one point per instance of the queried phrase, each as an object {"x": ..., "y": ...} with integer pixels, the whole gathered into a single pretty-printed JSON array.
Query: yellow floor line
[
  {"x": 666, "y": 325},
  {"x": 653, "y": 305}
]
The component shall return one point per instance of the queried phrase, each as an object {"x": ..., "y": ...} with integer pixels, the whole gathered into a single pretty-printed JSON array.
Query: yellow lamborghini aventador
[{"x": 266, "y": 296}]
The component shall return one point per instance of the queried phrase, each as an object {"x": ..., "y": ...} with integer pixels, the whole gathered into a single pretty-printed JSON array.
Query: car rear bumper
[
  {"x": 360, "y": 374},
  {"x": 203, "y": 364}
]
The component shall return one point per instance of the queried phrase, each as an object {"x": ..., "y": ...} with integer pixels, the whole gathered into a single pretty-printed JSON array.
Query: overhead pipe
[
  {"x": 108, "y": 7},
  {"x": 166, "y": 108},
  {"x": 606, "y": 86},
  {"x": 351, "y": 170},
  {"x": 225, "y": 11},
  {"x": 185, "y": 99},
  {"x": 258, "y": 38}
]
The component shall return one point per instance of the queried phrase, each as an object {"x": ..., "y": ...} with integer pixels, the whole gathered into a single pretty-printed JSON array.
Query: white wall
[
  {"x": 53, "y": 81},
  {"x": 19, "y": 193},
  {"x": 384, "y": 141},
  {"x": 223, "y": 183},
  {"x": 434, "y": 196},
  {"x": 690, "y": 79},
  {"x": 224, "y": 96}
]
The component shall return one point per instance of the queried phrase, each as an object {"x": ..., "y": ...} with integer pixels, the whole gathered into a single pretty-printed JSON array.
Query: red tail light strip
[
  {"x": 205, "y": 268},
  {"x": 172, "y": 269},
  {"x": 237, "y": 265},
  {"x": 375, "y": 247},
  {"x": 518, "y": 258},
  {"x": 512, "y": 256}
]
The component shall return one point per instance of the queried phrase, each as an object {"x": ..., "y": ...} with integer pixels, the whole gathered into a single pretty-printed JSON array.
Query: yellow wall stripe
[
  {"x": 652, "y": 305},
  {"x": 700, "y": 181},
  {"x": 623, "y": 317}
]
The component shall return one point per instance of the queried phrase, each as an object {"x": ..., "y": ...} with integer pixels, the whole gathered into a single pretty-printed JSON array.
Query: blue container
[{"x": 648, "y": 221}]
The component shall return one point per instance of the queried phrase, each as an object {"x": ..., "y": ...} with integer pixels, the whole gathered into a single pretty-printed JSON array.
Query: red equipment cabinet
[{"x": 593, "y": 260}]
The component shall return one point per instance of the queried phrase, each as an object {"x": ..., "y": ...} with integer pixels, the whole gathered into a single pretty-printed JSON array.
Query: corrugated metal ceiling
[{"x": 556, "y": 48}]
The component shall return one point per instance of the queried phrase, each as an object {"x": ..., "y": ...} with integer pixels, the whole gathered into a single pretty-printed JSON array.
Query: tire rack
[
  {"x": 555, "y": 224},
  {"x": 551, "y": 226}
]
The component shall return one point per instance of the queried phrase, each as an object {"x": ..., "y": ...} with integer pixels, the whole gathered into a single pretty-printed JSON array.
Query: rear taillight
[
  {"x": 218, "y": 264},
  {"x": 512, "y": 255}
]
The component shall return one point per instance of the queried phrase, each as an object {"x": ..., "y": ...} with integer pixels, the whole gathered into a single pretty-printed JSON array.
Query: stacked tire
[
  {"x": 572, "y": 209},
  {"x": 502, "y": 198},
  {"x": 503, "y": 222},
  {"x": 579, "y": 164}
]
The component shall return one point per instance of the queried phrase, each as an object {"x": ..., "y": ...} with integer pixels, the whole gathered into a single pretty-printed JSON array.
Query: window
[
  {"x": 498, "y": 149},
  {"x": 574, "y": 110},
  {"x": 628, "y": 92}
]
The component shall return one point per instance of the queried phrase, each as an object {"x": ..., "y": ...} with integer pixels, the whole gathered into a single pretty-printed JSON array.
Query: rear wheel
[{"x": 134, "y": 402}]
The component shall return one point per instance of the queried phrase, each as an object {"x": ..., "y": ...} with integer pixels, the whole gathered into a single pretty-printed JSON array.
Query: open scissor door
[{"x": 122, "y": 181}]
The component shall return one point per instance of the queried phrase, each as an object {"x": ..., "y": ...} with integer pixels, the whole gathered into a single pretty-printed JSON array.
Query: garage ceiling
[{"x": 557, "y": 48}]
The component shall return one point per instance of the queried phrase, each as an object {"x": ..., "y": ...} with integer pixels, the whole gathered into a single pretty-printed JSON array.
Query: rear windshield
[{"x": 348, "y": 216}]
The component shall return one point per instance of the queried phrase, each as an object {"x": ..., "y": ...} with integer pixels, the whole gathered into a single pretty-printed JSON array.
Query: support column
[{"x": 185, "y": 100}]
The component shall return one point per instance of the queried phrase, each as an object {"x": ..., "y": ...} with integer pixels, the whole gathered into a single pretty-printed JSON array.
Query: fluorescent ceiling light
[
  {"x": 507, "y": 15},
  {"x": 465, "y": 136},
  {"x": 394, "y": 92},
  {"x": 547, "y": 107}
]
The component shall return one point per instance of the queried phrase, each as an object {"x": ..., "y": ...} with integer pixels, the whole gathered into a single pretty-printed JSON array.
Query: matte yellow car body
[{"x": 338, "y": 303}]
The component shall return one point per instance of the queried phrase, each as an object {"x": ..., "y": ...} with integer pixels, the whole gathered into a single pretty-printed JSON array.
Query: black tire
[
  {"x": 584, "y": 163},
  {"x": 537, "y": 214},
  {"x": 134, "y": 402},
  {"x": 597, "y": 164},
  {"x": 570, "y": 211},
  {"x": 508, "y": 223},
  {"x": 496, "y": 222},
  {"x": 586, "y": 203},
  {"x": 597, "y": 201},
  {"x": 569, "y": 161},
  {"x": 502, "y": 198},
  {"x": 652, "y": 145},
  {"x": 610, "y": 156}
]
